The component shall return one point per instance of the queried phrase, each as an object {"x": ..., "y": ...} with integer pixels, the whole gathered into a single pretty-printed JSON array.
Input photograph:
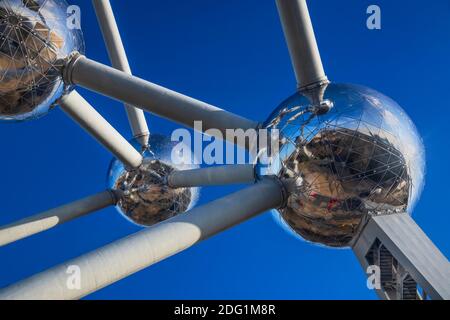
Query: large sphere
[
  {"x": 144, "y": 195},
  {"x": 35, "y": 37},
  {"x": 363, "y": 157}
]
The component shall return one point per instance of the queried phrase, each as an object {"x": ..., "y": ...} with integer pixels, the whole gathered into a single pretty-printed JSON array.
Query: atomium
[
  {"x": 347, "y": 173},
  {"x": 145, "y": 198},
  {"x": 34, "y": 41},
  {"x": 362, "y": 157}
]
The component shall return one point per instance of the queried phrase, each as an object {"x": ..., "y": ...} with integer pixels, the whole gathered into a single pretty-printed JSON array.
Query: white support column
[
  {"x": 122, "y": 258},
  {"x": 301, "y": 41},
  {"x": 119, "y": 60},
  {"x": 52, "y": 218},
  {"x": 411, "y": 248},
  {"x": 151, "y": 97},
  {"x": 87, "y": 117},
  {"x": 213, "y": 176}
]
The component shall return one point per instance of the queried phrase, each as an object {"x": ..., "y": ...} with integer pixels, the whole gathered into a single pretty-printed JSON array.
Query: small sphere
[
  {"x": 363, "y": 157},
  {"x": 35, "y": 38},
  {"x": 144, "y": 195}
]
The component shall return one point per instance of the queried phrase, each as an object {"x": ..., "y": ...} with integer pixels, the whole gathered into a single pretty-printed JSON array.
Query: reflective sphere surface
[
  {"x": 145, "y": 197},
  {"x": 35, "y": 37},
  {"x": 363, "y": 157}
]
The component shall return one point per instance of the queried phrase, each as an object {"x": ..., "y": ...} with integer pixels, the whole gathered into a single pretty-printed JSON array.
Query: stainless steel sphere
[
  {"x": 144, "y": 195},
  {"x": 35, "y": 37},
  {"x": 362, "y": 157}
]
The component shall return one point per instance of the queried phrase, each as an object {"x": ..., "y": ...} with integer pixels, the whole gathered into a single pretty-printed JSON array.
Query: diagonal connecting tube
[
  {"x": 87, "y": 117},
  {"x": 52, "y": 218},
  {"x": 122, "y": 258},
  {"x": 119, "y": 60},
  {"x": 151, "y": 97}
]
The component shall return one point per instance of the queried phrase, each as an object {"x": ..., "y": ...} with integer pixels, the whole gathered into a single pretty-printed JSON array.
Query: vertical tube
[
  {"x": 52, "y": 218},
  {"x": 119, "y": 60},
  {"x": 302, "y": 44},
  {"x": 86, "y": 116},
  {"x": 122, "y": 258}
]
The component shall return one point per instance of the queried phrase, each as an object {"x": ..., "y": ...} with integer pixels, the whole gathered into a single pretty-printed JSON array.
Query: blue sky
[{"x": 231, "y": 54}]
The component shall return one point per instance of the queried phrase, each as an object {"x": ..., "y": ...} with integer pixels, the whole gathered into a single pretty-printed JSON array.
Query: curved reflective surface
[
  {"x": 146, "y": 199},
  {"x": 363, "y": 157},
  {"x": 34, "y": 39}
]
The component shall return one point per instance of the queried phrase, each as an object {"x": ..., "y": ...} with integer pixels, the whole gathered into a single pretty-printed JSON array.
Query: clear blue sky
[{"x": 231, "y": 54}]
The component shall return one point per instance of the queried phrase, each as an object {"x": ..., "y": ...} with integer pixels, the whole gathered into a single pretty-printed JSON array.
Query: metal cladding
[
  {"x": 363, "y": 157},
  {"x": 145, "y": 197},
  {"x": 34, "y": 41}
]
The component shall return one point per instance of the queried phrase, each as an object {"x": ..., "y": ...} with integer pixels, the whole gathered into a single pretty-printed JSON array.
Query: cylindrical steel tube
[
  {"x": 122, "y": 258},
  {"x": 52, "y": 218},
  {"x": 301, "y": 41},
  {"x": 213, "y": 176},
  {"x": 151, "y": 97},
  {"x": 119, "y": 60},
  {"x": 87, "y": 117}
]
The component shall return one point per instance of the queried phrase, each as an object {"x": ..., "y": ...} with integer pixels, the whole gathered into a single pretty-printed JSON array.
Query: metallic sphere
[
  {"x": 35, "y": 38},
  {"x": 361, "y": 156},
  {"x": 144, "y": 195}
]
